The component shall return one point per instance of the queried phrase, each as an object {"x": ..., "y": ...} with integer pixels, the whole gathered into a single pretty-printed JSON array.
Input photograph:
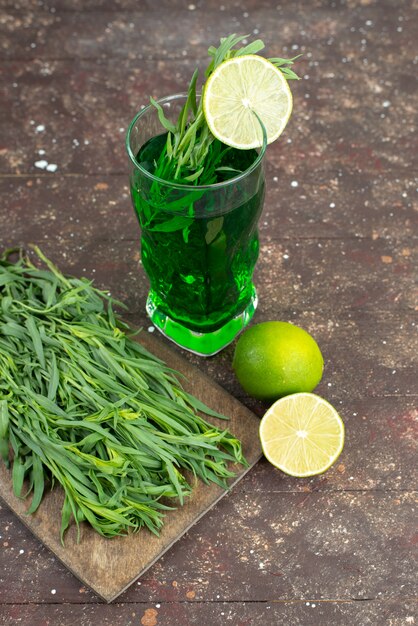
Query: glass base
[{"x": 203, "y": 344}]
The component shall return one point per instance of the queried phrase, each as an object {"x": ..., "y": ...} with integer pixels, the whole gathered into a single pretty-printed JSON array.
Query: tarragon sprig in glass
[{"x": 191, "y": 154}]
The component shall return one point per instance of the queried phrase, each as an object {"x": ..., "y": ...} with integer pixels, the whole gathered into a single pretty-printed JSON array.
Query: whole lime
[{"x": 274, "y": 359}]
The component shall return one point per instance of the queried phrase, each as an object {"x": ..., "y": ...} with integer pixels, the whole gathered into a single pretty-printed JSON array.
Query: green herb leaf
[
  {"x": 170, "y": 226},
  {"x": 4, "y": 419},
  {"x": 289, "y": 74},
  {"x": 225, "y": 168},
  {"x": 38, "y": 481},
  {"x": 36, "y": 339},
  {"x": 18, "y": 475},
  {"x": 251, "y": 48},
  {"x": 161, "y": 116},
  {"x": 194, "y": 176},
  {"x": 213, "y": 229},
  {"x": 53, "y": 377}
]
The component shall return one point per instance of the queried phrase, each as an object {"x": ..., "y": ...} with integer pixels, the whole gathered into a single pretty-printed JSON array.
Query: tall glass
[{"x": 199, "y": 244}]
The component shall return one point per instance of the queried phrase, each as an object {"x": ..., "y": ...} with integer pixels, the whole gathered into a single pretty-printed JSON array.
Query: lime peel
[{"x": 274, "y": 359}]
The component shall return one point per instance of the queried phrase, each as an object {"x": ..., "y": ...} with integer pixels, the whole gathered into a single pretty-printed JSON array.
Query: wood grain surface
[{"x": 338, "y": 257}]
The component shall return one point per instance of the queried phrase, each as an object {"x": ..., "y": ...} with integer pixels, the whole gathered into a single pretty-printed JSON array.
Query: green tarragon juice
[{"x": 199, "y": 246}]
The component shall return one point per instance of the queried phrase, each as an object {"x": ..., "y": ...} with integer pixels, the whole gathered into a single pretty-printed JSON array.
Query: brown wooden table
[{"x": 338, "y": 238}]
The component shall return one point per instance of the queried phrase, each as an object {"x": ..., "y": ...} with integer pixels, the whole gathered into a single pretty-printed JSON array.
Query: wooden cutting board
[{"x": 109, "y": 566}]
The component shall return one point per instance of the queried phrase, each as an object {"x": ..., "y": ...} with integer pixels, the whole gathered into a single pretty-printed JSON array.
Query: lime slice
[
  {"x": 302, "y": 434},
  {"x": 239, "y": 88}
]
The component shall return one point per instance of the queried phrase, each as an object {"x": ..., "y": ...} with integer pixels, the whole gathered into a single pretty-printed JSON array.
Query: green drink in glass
[
  {"x": 198, "y": 202},
  {"x": 199, "y": 243}
]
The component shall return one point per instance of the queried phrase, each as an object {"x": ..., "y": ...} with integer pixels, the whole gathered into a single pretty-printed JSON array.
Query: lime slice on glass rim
[
  {"x": 239, "y": 91},
  {"x": 302, "y": 435}
]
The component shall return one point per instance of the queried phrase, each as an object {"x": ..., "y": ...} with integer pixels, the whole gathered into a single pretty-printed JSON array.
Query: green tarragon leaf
[
  {"x": 252, "y": 48},
  {"x": 176, "y": 223},
  {"x": 161, "y": 116},
  {"x": 4, "y": 431},
  {"x": 194, "y": 176},
  {"x": 4, "y": 419},
  {"x": 38, "y": 482},
  {"x": 214, "y": 227},
  {"x": 289, "y": 74}
]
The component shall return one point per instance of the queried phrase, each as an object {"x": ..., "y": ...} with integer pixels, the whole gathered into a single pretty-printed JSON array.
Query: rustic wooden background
[{"x": 338, "y": 239}]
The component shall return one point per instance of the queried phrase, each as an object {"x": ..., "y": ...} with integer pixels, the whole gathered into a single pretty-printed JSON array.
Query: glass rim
[{"x": 230, "y": 181}]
